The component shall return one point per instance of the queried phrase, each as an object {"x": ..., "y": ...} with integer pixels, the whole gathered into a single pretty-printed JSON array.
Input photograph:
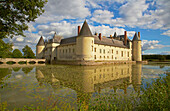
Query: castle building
[{"x": 88, "y": 47}]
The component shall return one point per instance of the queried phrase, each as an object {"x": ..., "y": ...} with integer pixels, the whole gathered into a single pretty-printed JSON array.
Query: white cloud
[
  {"x": 165, "y": 53},
  {"x": 166, "y": 33},
  {"x": 102, "y": 16},
  {"x": 146, "y": 45},
  {"x": 56, "y": 10}
]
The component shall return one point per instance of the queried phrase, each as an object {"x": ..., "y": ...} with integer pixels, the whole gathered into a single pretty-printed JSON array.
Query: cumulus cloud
[
  {"x": 166, "y": 33},
  {"x": 154, "y": 44},
  {"x": 56, "y": 10},
  {"x": 165, "y": 53},
  {"x": 102, "y": 16}
]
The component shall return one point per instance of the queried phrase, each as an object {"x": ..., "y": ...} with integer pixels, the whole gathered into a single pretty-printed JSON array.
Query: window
[
  {"x": 104, "y": 57},
  {"x": 128, "y": 54},
  {"x": 73, "y": 50},
  {"x": 94, "y": 49},
  {"x": 112, "y": 56},
  {"x": 100, "y": 57},
  {"x": 116, "y": 52},
  {"x": 94, "y": 56},
  {"x": 69, "y": 50},
  {"x": 104, "y": 51},
  {"x": 112, "y": 51},
  {"x": 100, "y": 50},
  {"x": 108, "y": 57},
  {"x": 66, "y": 50},
  {"x": 122, "y": 53}
]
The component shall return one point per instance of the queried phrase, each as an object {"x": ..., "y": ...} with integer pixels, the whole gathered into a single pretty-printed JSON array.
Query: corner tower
[
  {"x": 39, "y": 48},
  {"x": 136, "y": 48},
  {"x": 85, "y": 44}
]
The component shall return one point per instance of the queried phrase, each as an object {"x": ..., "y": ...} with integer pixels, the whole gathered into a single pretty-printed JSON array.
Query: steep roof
[
  {"x": 85, "y": 30},
  {"x": 41, "y": 41},
  {"x": 136, "y": 37},
  {"x": 57, "y": 38},
  {"x": 115, "y": 35}
]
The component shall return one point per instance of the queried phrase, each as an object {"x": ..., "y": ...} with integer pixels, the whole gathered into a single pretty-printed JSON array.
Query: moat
[{"x": 73, "y": 87}]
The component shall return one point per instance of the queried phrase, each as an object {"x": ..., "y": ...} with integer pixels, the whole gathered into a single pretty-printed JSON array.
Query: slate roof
[
  {"x": 104, "y": 41},
  {"x": 57, "y": 38},
  {"x": 85, "y": 30},
  {"x": 136, "y": 37},
  {"x": 70, "y": 40},
  {"x": 115, "y": 35},
  {"x": 41, "y": 42},
  {"x": 108, "y": 41}
]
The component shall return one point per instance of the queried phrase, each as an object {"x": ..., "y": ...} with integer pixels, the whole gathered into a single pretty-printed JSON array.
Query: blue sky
[{"x": 150, "y": 17}]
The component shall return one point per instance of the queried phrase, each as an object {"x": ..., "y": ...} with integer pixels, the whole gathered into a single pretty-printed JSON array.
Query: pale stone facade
[{"x": 88, "y": 47}]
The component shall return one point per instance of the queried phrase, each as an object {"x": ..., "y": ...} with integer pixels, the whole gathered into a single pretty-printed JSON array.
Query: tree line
[
  {"x": 6, "y": 51},
  {"x": 156, "y": 57}
]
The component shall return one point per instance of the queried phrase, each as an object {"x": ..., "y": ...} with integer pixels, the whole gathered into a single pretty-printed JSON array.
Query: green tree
[
  {"x": 16, "y": 14},
  {"x": 17, "y": 54},
  {"x": 28, "y": 53},
  {"x": 5, "y": 49}
]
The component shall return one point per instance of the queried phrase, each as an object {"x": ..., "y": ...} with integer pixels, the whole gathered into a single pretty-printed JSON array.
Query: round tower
[
  {"x": 136, "y": 48},
  {"x": 85, "y": 43},
  {"x": 40, "y": 49}
]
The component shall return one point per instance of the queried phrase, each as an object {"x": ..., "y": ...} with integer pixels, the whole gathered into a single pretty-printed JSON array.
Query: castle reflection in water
[{"x": 89, "y": 79}]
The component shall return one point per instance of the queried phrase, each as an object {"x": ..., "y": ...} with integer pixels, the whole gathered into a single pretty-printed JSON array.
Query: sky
[{"x": 149, "y": 17}]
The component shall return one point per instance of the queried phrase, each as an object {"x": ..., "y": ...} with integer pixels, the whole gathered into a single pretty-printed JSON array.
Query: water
[{"x": 70, "y": 87}]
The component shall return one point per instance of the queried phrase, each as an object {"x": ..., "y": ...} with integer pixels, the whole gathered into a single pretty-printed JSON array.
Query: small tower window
[
  {"x": 94, "y": 49},
  {"x": 122, "y": 53}
]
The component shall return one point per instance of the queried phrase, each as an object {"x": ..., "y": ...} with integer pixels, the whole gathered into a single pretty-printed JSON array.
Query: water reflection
[
  {"x": 90, "y": 79},
  {"x": 87, "y": 80}
]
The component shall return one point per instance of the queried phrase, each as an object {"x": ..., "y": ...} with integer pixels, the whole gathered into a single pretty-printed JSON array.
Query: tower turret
[
  {"x": 136, "y": 48},
  {"x": 85, "y": 43},
  {"x": 39, "y": 49}
]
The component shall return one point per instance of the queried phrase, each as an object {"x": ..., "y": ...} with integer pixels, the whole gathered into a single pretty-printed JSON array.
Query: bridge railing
[{"x": 17, "y": 60}]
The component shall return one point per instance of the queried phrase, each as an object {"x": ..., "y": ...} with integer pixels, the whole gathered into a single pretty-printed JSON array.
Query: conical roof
[
  {"x": 115, "y": 35},
  {"x": 41, "y": 41},
  {"x": 136, "y": 37},
  {"x": 85, "y": 30}
]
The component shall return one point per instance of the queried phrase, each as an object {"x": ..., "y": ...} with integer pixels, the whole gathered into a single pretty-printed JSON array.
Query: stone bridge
[{"x": 17, "y": 60}]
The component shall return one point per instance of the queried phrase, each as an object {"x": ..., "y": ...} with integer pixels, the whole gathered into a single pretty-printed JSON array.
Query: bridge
[{"x": 17, "y": 60}]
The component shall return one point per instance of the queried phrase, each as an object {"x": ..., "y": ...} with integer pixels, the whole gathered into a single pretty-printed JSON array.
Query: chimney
[
  {"x": 125, "y": 38},
  {"x": 79, "y": 30},
  {"x": 139, "y": 35},
  {"x": 96, "y": 33},
  {"x": 100, "y": 36},
  {"x": 111, "y": 37}
]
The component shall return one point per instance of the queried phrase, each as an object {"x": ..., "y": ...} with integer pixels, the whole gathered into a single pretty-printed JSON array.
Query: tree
[
  {"x": 17, "y": 54},
  {"x": 5, "y": 49},
  {"x": 28, "y": 53},
  {"x": 16, "y": 14}
]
